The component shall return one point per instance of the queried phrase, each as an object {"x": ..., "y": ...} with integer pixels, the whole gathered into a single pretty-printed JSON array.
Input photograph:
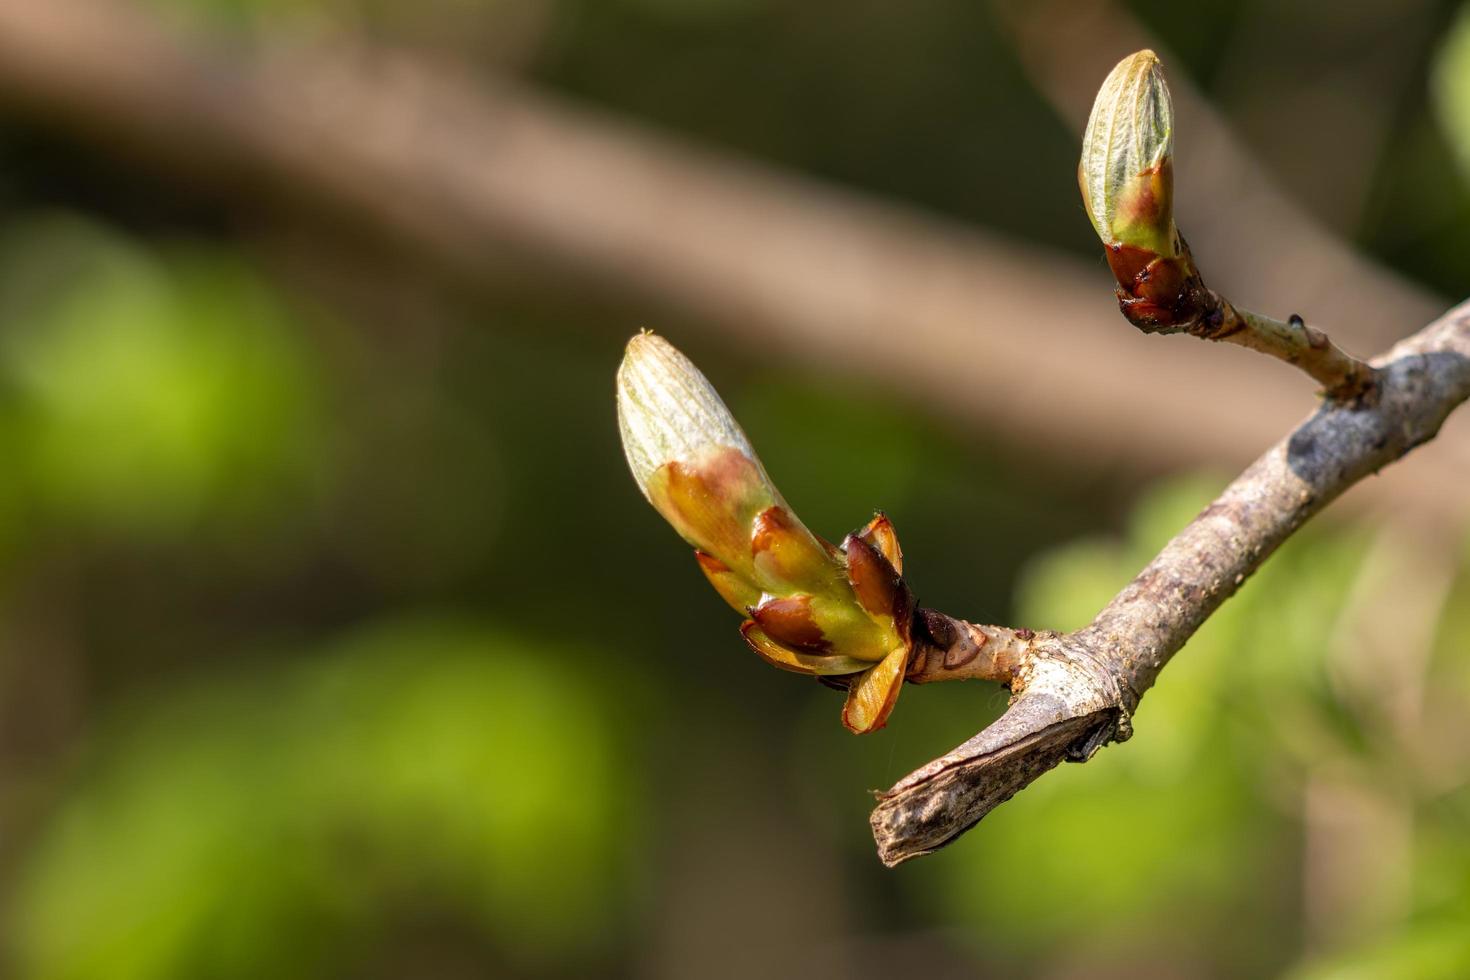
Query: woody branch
[{"x": 1073, "y": 693}]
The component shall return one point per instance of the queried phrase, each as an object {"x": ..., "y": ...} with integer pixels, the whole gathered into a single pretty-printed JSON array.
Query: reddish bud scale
[
  {"x": 855, "y": 633},
  {"x": 880, "y": 534},
  {"x": 790, "y": 621},
  {"x": 879, "y": 587},
  {"x": 873, "y": 579},
  {"x": 1159, "y": 294},
  {"x": 871, "y": 698},
  {"x": 796, "y": 661}
]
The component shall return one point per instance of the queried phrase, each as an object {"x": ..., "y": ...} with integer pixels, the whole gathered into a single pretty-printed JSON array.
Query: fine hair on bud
[{"x": 668, "y": 411}]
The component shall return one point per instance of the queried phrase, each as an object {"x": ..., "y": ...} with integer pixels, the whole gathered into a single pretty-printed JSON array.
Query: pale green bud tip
[
  {"x": 668, "y": 411},
  {"x": 1127, "y": 157}
]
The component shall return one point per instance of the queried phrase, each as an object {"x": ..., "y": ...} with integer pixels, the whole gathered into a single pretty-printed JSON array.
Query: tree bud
[{"x": 813, "y": 608}]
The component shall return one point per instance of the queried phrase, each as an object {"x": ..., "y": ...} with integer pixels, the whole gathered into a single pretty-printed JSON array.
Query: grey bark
[{"x": 1076, "y": 692}]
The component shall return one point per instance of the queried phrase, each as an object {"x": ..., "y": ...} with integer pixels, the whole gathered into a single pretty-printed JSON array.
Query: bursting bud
[
  {"x": 1127, "y": 178},
  {"x": 840, "y": 614}
]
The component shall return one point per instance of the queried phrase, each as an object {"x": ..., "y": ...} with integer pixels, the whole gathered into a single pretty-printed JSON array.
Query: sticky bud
[
  {"x": 813, "y": 608},
  {"x": 1127, "y": 180}
]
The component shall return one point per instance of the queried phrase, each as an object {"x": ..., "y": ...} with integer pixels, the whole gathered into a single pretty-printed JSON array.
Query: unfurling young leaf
[{"x": 1127, "y": 166}]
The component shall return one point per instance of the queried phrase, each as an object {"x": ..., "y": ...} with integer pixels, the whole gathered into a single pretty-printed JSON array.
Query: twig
[
  {"x": 1075, "y": 692},
  {"x": 1201, "y": 312},
  {"x": 953, "y": 650},
  {"x": 1342, "y": 376}
]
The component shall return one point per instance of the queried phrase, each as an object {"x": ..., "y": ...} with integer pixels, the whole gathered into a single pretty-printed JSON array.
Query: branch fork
[
  {"x": 844, "y": 614},
  {"x": 1073, "y": 693}
]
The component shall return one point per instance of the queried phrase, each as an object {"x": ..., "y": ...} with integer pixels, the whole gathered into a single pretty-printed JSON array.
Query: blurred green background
[{"x": 337, "y": 641}]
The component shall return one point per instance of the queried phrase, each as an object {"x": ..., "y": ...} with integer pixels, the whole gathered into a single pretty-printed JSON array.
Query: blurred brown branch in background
[{"x": 490, "y": 180}]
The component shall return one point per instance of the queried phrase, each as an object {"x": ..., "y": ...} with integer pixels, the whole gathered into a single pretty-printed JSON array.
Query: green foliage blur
[
  {"x": 337, "y": 641},
  {"x": 147, "y": 392},
  {"x": 270, "y": 824}
]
